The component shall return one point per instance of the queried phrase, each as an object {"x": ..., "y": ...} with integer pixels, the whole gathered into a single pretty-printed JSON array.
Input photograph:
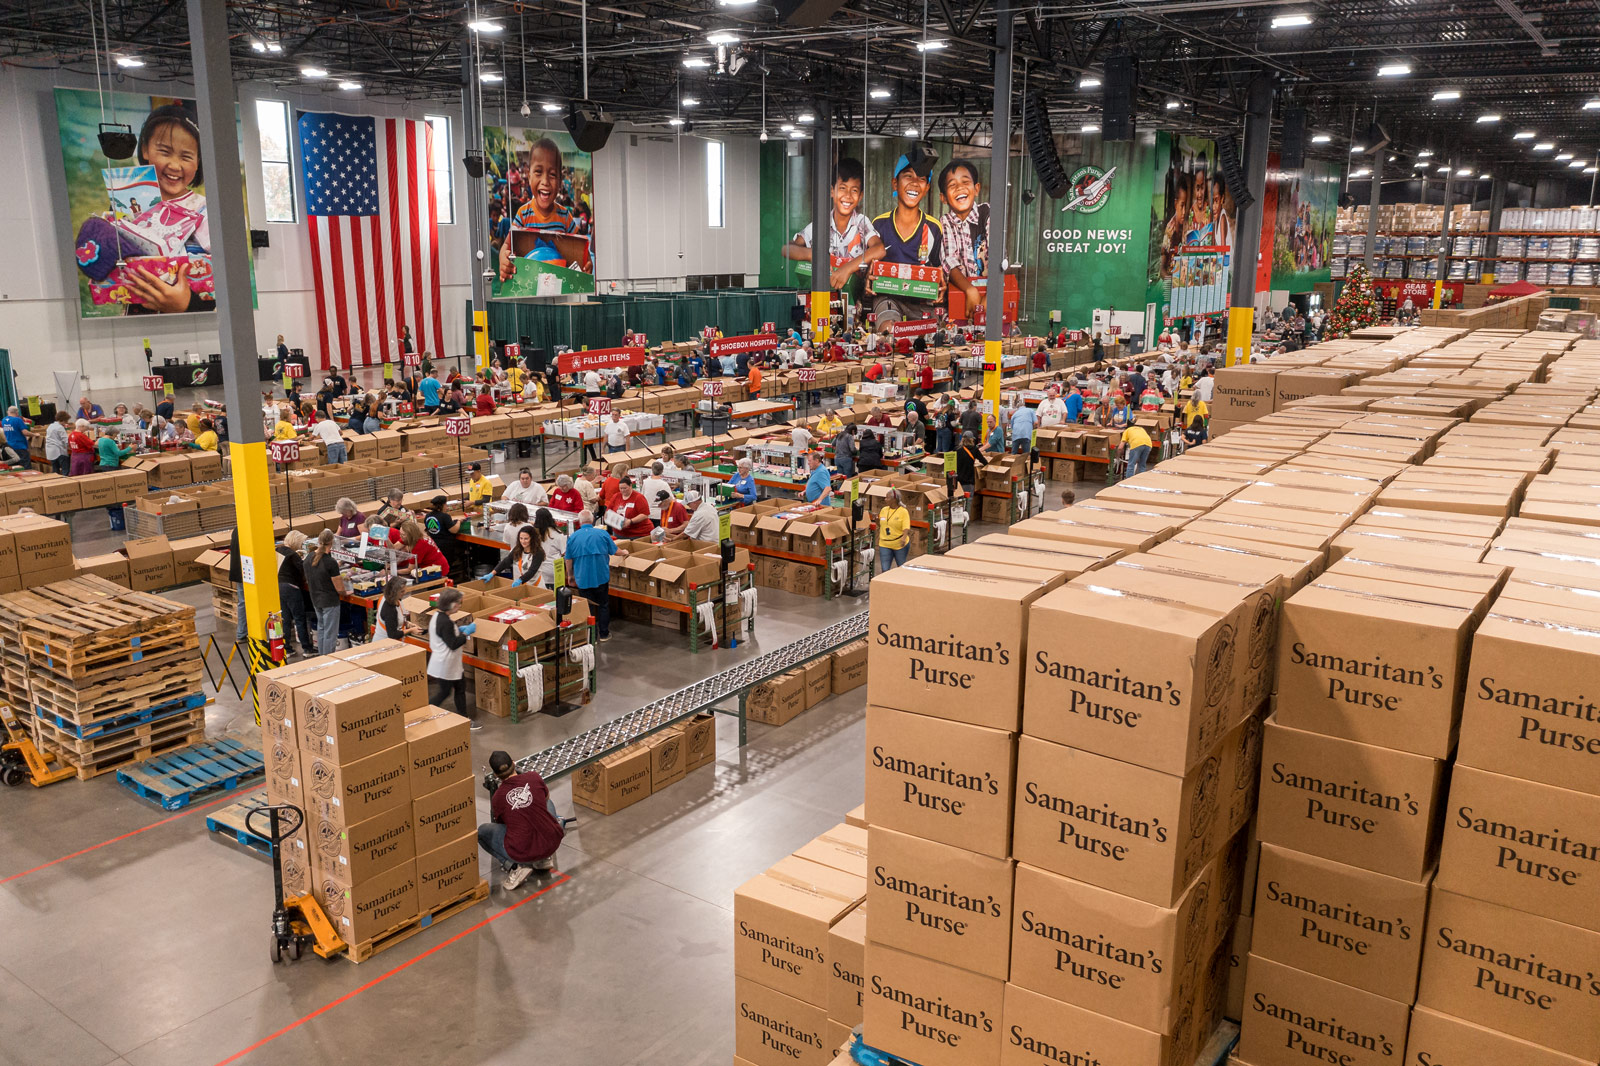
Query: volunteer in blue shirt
[
  {"x": 1022, "y": 429},
  {"x": 819, "y": 486},
  {"x": 589, "y": 553},
  {"x": 430, "y": 388},
  {"x": 997, "y": 434},
  {"x": 16, "y": 431},
  {"x": 1074, "y": 403},
  {"x": 743, "y": 482}
]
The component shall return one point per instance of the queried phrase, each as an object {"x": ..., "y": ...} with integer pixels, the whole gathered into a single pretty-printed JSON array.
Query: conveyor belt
[{"x": 603, "y": 740}]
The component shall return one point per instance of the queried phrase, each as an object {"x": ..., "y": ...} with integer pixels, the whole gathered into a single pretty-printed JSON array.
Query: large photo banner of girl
[
  {"x": 141, "y": 235},
  {"x": 541, "y": 212}
]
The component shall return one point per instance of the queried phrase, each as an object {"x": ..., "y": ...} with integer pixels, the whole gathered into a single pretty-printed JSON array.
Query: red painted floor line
[
  {"x": 93, "y": 847},
  {"x": 326, "y": 1007}
]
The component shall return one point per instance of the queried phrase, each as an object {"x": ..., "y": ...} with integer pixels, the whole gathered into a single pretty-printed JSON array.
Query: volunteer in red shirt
[
  {"x": 411, "y": 537},
  {"x": 633, "y": 512},
  {"x": 611, "y": 486},
  {"x": 565, "y": 497},
  {"x": 484, "y": 405},
  {"x": 873, "y": 372},
  {"x": 523, "y": 830},
  {"x": 926, "y": 379}
]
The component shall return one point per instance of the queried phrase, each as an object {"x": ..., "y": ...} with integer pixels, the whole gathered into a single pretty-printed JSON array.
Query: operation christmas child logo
[{"x": 1091, "y": 188}]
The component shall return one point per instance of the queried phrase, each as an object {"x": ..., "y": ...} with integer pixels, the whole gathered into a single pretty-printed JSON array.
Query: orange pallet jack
[
  {"x": 21, "y": 761},
  {"x": 300, "y": 922}
]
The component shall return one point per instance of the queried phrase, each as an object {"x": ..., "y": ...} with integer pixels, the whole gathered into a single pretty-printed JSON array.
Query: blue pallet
[
  {"x": 230, "y": 821},
  {"x": 124, "y": 722},
  {"x": 175, "y": 780}
]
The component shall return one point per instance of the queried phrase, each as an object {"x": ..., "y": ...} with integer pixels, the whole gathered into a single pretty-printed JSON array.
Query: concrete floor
[{"x": 135, "y": 937}]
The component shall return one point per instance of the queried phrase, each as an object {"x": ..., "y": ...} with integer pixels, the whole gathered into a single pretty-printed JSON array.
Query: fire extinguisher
[{"x": 275, "y": 646}]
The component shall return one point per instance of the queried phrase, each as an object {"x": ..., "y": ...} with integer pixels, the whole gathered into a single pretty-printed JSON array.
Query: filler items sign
[
  {"x": 541, "y": 215},
  {"x": 576, "y": 362}
]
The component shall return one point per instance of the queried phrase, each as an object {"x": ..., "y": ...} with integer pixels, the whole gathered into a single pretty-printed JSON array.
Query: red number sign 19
[
  {"x": 599, "y": 405},
  {"x": 458, "y": 427}
]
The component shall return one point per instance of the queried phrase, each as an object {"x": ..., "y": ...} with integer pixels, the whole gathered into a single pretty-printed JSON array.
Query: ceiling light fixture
[
  {"x": 1592, "y": 105},
  {"x": 807, "y": 117},
  {"x": 490, "y": 77},
  {"x": 1485, "y": 177},
  {"x": 349, "y": 86},
  {"x": 129, "y": 61},
  {"x": 1173, "y": 105},
  {"x": 1425, "y": 153},
  {"x": 1289, "y": 22},
  {"x": 1525, "y": 135},
  {"x": 1442, "y": 170},
  {"x": 880, "y": 94},
  {"x": 695, "y": 62},
  {"x": 1590, "y": 170},
  {"x": 1354, "y": 148},
  {"x": 911, "y": 131},
  {"x": 931, "y": 46},
  {"x": 735, "y": 3},
  {"x": 1363, "y": 172},
  {"x": 1091, "y": 128},
  {"x": 1543, "y": 146},
  {"x": 674, "y": 121},
  {"x": 1393, "y": 70},
  {"x": 1576, "y": 163},
  {"x": 797, "y": 135},
  {"x": 274, "y": 46},
  {"x": 1490, "y": 117},
  {"x": 1447, "y": 94},
  {"x": 787, "y": 127},
  {"x": 258, "y": 45},
  {"x": 1419, "y": 166},
  {"x": 1563, "y": 157},
  {"x": 1088, "y": 81},
  {"x": 1321, "y": 138},
  {"x": 485, "y": 26},
  {"x": 548, "y": 107},
  {"x": 722, "y": 37},
  {"x": 1463, "y": 173},
  {"x": 313, "y": 72},
  {"x": 690, "y": 101}
]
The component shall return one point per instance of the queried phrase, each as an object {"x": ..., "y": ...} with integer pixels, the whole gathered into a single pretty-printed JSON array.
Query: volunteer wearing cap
[
  {"x": 440, "y": 526},
  {"x": 674, "y": 516},
  {"x": 908, "y": 235},
  {"x": 479, "y": 489},
  {"x": 523, "y": 830},
  {"x": 702, "y": 524}
]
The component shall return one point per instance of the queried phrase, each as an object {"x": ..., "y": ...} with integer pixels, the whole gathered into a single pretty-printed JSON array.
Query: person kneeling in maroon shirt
[{"x": 523, "y": 830}]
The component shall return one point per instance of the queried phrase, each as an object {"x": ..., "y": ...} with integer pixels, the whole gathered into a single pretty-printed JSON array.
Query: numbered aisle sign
[
  {"x": 1115, "y": 331},
  {"x": 919, "y": 360},
  {"x": 153, "y": 382},
  {"x": 599, "y": 405},
  {"x": 512, "y": 352},
  {"x": 975, "y": 349},
  {"x": 294, "y": 370},
  {"x": 711, "y": 388},
  {"x": 283, "y": 451},
  {"x": 411, "y": 359},
  {"x": 458, "y": 427},
  {"x": 806, "y": 374},
  {"x": 1077, "y": 335}
]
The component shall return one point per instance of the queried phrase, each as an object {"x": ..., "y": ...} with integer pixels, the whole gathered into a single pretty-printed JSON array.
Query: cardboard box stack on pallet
[
  {"x": 111, "y": 677},
  {"x": 644, "y": 768},
  {"x": 387, "y": 786},
  {"x": 814, "y": 534}
]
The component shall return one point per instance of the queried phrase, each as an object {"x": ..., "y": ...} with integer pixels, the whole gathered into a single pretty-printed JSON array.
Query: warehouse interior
[{"x": 1139, "y": 611}]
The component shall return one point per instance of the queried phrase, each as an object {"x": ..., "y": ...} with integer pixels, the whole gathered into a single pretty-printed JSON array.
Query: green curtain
[{"x": 666, "y": 316}]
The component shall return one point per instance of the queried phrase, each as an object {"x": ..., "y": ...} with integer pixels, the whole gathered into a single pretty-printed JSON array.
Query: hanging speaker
[
  {"x": 1119, "y": 98},
  {"x": 1041, "y": 142},
  {"x": 589, "y": 129},
  {"x": 1292, "y": 156},
  {"x": 1232, "y": 172},
  {"x": 473, "y": 162},
  {"x": 117, "y": 140}
]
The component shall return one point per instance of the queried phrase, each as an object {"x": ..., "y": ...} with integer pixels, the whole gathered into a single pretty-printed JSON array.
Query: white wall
[{"x": 646, "y": 212}]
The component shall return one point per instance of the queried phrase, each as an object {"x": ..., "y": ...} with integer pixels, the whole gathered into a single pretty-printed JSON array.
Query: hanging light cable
[{"x": 922, "y": 116}]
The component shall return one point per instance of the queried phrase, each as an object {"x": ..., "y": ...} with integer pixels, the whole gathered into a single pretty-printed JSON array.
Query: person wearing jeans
[
  {"x": 291, "y": 592},
  {"x": 446, "y": 673},
  {"x": 1137, "y": 442},
  {"x": 588, "y": 553},
  {"x": 894, "y": 533},
  {"x": 524, "y": 829},
  {"x": 326, "y": 586}
]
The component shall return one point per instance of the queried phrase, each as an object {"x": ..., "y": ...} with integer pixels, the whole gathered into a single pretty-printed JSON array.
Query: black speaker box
[
  {"x": 1120, "y": 98},
  {"x": 1232, "y": 172},
  {"x": 807, "y": 13},
  {"x": 1041, "y": 143},
  {"x": 1292, "y": 156},
  {"x": 259, "y": 238},
  {"x": 589, "y": 131}
]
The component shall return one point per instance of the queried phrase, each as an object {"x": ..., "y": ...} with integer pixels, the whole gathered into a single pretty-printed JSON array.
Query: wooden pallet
[
  {"x": 229, "y": 822},
  {"x": 406, "y": 930},
  {"x": 113, "y": 724},
  {"x": 124, "y": 755},
  {"x": 114, "y": 671},
  {"x": 129, "y": 736},
  {"x": 86, "y": 706},
  {"x": 89, "y": 637},
  {"x": 175, "y": 780}
]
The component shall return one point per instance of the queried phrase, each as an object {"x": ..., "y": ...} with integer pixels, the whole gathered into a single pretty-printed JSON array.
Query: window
[
  {"x": 716, "y": 214},
  {"x": 444, "y": 172},
  {"x": 277, "y": 173}
]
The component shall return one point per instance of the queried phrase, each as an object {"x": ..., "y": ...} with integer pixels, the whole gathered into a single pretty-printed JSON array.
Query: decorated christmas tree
[{"x": 1356, "y": 308}]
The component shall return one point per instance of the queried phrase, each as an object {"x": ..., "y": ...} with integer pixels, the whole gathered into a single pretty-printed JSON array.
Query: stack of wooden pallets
[
  {"x": 114, "y": 680},
  {"x": 17, "y": 607}
]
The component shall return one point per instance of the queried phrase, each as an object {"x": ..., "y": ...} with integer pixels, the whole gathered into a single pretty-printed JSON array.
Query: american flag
[{"x": 372, "y": 216}]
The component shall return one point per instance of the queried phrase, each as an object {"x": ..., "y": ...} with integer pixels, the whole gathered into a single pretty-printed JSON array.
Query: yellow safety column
[
  {"x": 821, "y": 220},
  {"x": 1247, "y": 233},
  {"x": 480, "y": 338},
  {"x": 821, "y": 305},
  {"x": 1241, "y": 327},
  {"x": 999, "y": 189},
  {"x": 992, "y": 361},
  {"x": 230, "y": 261}
]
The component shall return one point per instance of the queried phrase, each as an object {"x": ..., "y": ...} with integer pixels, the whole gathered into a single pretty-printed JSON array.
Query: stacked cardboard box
[
  {"x": 1368, "y": 695},
  {"x": 1514, "y": 922},
  {"x": 639, "y": 770},
  {"x": 779, "y": 700},
  {"x": 797, "y": 956},
  {"x": 386, "y": 783}
]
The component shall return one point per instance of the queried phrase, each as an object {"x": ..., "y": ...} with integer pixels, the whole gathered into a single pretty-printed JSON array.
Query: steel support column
[
  {"x": 821, "y": 221},
  {"x": 1374, "y": 201},
  {"x": 1497, "y": 206},
  {"x": 1443, "y": 263},
  {"x": 230, "y": 265},
  {"x": 1247, "y": 231},
  {"x": 999, "y": 204},
  {"x": 477, "y": 209}
]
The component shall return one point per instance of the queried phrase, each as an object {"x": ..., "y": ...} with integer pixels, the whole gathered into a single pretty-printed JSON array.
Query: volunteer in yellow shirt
[
  {"x": 206, "y": 439},
  {"x": 829, "y": 425},
  {"x": 1195, "y": 408},
  {"x": 894, "y": 532},
  {"x": 516, "y": 376},
  {"x": 283, "y": 429},
  {"x": 479, "y": 488},
  {"x": 1137, "y": 441}
]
